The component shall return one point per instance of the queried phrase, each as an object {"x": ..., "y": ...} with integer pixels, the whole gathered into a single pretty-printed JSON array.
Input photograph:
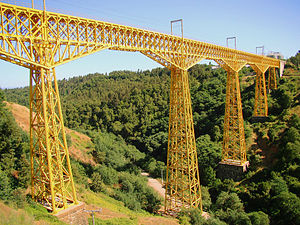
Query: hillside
[
  {"x": 81, "y": 145},
  {"x": 80, "y": 150},
  {"x": 124, "y": 116}
]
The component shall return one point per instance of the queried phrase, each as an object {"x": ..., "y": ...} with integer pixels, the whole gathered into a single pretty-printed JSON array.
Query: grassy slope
[{"x": 113, "y": 211}]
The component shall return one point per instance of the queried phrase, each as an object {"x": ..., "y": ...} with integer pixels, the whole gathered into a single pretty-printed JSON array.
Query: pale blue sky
[{"x": 272, "y": 23}]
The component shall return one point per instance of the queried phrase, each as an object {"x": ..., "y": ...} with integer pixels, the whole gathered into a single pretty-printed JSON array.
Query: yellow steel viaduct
[{"x": 41, "y": 40}]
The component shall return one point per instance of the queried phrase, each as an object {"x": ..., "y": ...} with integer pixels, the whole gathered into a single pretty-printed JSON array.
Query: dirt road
[{"x": 155, "y": 185}]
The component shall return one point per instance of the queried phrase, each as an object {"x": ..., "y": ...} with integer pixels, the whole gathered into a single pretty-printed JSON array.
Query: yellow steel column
[
  {"x": 261, "y": 103},
  {"x": 67, "y": 158},
  {"x": 272, "y": 79},
  {"x": 51, "y": 175},
  {"x": 234, "y": 147},
  {"x": 31, "y": 102},
  {"x": 182, "y": 182}
]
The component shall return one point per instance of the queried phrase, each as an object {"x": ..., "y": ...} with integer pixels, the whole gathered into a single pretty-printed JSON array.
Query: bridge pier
[
  {"x": 261, "y": 103},
  {"x": 234, "y": 160},
  {"x": 182, "y": 181},
  {"x": 272, "y": 79},
  {"x": 51, "y": 175},
  {"x": 232, "y": 171}
]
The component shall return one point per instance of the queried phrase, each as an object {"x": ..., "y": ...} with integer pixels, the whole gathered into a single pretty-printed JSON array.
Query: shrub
[
  {"x": 79, "y": 174},
  {"x": 229, "y": 201},
  {"x": 109, "y": 175},
  {"x": 129, "y": 200},
  {"x": 206, "y": 200},
  {"x": 5, "y": 187},
  {"x": 97, "y": 184},
  {"x": 192, "y": 215},
  {"x": 278, "y": 185},
  {"x": 259, "y": 218},
  {"x": 286, "y": 208}
]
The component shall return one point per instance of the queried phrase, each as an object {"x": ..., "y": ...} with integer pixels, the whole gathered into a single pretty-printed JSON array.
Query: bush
[
  {"x": 78, "y": 172},
  {"x": 97, "y": 184},
  {"x": 286, "y": 208},
  {"x": 5, "y": 187},
  {"x": 209, "y": 156},
  {"x": 259, "y": 218},
  {"x": 129, "y": 200},
  {"x": 192, "y": 215},
  {"x": 214, "y": 221},
  {"x": 229, "y": 201},
  {"x": 153, "y": 201},
  {"x": 206, "y": 200},
  {"x": 155, "y": 167},
  {"x": 234, "y": 217},
  {"x": 109, "y": 175},
  {"x": 278, "y": 185},
  {"x": 114, "y": 221},
  {"x": 18, "y": 197},
  {"x": 125, "y": 179}
]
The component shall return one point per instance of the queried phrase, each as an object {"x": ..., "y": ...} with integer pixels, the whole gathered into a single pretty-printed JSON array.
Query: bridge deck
[{"x": 23, "y": 30}]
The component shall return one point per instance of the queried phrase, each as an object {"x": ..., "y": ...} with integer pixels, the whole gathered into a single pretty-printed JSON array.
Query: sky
[{"x": 273, "y": 24}]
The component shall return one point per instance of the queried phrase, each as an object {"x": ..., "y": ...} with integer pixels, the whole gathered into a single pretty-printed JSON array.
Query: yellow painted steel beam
[
  {"x": 261, "y": 100},
  {"x": 272, "y": 79},
  {"x": 182, "y": 181},
  {"x": 51, "y": 175},
  {"x": 234, "y": 145},
  {"x": 73, "y": 37}
]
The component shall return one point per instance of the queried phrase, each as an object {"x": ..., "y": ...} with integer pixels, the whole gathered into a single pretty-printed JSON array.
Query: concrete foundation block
[{"x": 232, "y": 170}]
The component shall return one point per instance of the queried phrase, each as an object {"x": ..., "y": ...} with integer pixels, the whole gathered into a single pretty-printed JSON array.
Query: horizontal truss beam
[{"x": 72, "y": 37}]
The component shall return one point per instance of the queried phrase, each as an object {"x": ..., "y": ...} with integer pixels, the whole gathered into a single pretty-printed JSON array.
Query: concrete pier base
[
  {"x": 232, "y": 170},
  {"x": 74, "y": 215}
]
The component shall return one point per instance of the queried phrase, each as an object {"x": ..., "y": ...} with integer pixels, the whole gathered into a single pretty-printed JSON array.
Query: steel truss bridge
[{"x": 40, "y": 40}]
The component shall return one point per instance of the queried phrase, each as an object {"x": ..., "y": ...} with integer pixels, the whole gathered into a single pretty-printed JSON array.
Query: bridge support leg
[
  {"x": 272, "y": 79},
  {"x": 183, "y": 182},
  {"x": 260, "y": 104},
  {"x": 51, "y": 176},
  {"x": 234, "y": 161},
  {"x": 234, "y": 146}
]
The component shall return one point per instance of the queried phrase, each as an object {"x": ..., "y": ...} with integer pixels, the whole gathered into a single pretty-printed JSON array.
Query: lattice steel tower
[
  {"x": 234, "y": 145},
  {"x": 183, "y": 182}
]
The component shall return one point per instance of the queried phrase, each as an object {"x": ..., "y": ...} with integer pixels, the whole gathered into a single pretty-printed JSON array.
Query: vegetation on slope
[
  {"x": 13, "y": 185},
  {"x": 126, "y": 115}
]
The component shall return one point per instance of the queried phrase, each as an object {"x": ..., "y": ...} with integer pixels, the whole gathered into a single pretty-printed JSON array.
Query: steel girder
[
  {"x": 73, "y": 37},
  {"x": 234, "y": 145},
  {"x": 51, "y": 175},
  {"x": 272, "y": 79},
  {"x": 183, "y": 182},
  {"x": 260, "y": 103}
]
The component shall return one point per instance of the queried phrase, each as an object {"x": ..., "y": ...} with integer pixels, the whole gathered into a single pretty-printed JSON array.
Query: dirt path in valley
[{"x": 155, "y": 185}]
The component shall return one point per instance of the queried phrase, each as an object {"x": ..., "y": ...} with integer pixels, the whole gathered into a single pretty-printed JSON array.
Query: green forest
[{"x": 126, "y": 114}]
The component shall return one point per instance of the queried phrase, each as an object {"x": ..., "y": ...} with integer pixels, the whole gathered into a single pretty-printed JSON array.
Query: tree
[
  {"x": 108, "y": 175},
  {"x": 97, "y": 184},
  {"x": 209, "y": 155},
  {"x": 295, "y": 60},
  {"x": 192, "y": 216},
  {"x": 278, "y": 185},
  {"x": 14, "y": 145},
  {"x": 227, "y": 201},
  {"x": 5, "y": 186},
  {"x": 206, "y": 200},
  {"x": 285, "y": 209},
  {"x": 259, "y": 218}
]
